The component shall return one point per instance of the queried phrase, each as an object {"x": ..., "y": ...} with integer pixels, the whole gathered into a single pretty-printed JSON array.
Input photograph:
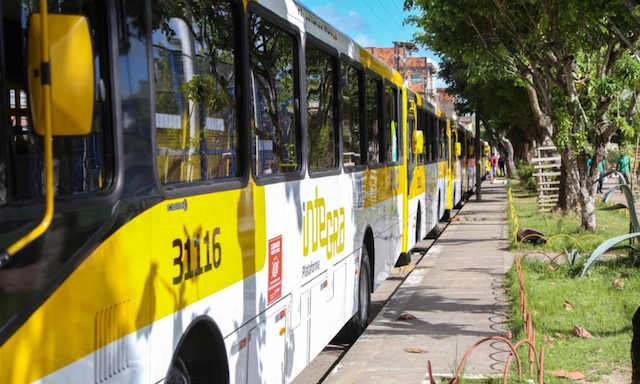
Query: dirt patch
[{"x": 618, "y": 376}]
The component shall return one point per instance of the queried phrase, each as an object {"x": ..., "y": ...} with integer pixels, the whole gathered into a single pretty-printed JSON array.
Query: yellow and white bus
[{"x": 199, "y": 192}]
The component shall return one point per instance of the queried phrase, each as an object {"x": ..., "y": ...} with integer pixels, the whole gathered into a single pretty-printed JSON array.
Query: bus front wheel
[{"x": 178, "y": 373}]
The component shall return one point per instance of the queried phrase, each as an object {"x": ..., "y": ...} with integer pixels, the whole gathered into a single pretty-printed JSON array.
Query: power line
[
  {"x": 392, "y": 18},
  {"x": 396, "y": 5},
  {"x": 379, "y": 18}
]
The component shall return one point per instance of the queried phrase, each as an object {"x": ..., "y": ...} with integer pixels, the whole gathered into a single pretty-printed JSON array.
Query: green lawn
[
  {"x": 609, "y": 224},
  {"x": 598, "y": 306}
]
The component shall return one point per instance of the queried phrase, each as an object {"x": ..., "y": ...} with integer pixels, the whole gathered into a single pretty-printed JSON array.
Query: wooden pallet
[{"x": 547, "y": 165}]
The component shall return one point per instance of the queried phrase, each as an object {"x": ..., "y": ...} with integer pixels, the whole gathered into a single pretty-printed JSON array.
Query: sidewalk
[{"x": 456, "y": 294}]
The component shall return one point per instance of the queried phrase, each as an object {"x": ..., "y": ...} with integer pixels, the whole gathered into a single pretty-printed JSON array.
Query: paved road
[{"x": 456, "y": 297}]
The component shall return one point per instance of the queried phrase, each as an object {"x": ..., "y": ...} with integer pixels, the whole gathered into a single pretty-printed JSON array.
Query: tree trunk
[
  {"x": 568, "y": 195},
  {"x": 587, "y": 195},
  {"x": 635, "y": 349},
  {"x": 510, "y": 165},
  {"x": 526, "y": 153}
]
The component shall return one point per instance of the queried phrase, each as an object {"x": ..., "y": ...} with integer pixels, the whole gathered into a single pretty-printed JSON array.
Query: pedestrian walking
[
  {"x": 622, "y": 166},
  {"x": 601, "y": 178},
  {"x": 501, "y": 165},
  {"x": 493, "y": 161}
]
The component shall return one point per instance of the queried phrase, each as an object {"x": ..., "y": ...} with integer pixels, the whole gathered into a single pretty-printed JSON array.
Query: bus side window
[
  {"x": 197, "y": 132},
  {"x": 391, "y": 126},
  {"x": 81, "y": 165},
  {"x": 321, "y": 100},
  {"x": 354, "y": 151},
  {"x": 275, "y": 146},
  {"x": 373, "y": 120},
  {"x": 424, "y": 156}
]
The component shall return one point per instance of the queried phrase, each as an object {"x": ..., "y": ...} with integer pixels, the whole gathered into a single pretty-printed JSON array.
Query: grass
[
  {"x": 599, "y": 307},
  {"x": 609, "y": 224}
]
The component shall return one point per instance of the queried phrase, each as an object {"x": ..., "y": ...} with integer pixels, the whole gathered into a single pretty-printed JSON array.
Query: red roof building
[{"x": 418, "y": 73}]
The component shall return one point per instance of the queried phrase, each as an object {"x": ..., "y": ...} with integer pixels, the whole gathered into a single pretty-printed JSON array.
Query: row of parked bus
[{"x": 202, "y": 192}]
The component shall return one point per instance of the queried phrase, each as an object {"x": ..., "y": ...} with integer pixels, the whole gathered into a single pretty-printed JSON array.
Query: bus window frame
[
  {"x": 362, "y": 90},
  {"x": 34, "y": 207},
  {"x": 399, "y": 125},
  {"x": 422, "y": 160},
  {"x": 299, "y": 78},
  {"x": 383, "y": 151},
  {"x": 416, "y": 119},
  {"x": 337, "y": 127},
  {"x": 200, "y": 187}
]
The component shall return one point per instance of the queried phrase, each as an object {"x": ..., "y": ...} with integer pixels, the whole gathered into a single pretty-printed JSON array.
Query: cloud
[
  {"x": 365, "y": 40},
  {"x": 350, "y": 23}
]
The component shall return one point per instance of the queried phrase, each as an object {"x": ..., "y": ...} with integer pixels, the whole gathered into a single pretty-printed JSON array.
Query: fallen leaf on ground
[
  {"x": 548, "y": 339},
  {"x": 618, "y": 284},
  {"x": 551, "y": 267},
  {"x": 567, "y": 305},
  {"x": 574, "y": 375},
  {"x": 508, "y": 335},
  {"x": 495, "y": 237},
  {"x": 553, "y": 284},
  {"x": 406, "y": 317},
  {"x": 581, "y": 332},
  {"x": 560, "y": 335},
  {"x": 414, "y": 350},
  {"x": 455, "y": 219}
]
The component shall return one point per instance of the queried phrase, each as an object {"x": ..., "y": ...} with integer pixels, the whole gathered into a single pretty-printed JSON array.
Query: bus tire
[
  {"x": 200, "y": 357},
  {"x": 419, "y": 225},
  {"x": 357, "y": 324},
  {"x": 435, "y": 231},
  {"x": 178, "y": 373}
]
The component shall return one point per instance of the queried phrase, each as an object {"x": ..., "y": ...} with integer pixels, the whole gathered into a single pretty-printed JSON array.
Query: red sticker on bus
[{"x": 275, "y": 270}]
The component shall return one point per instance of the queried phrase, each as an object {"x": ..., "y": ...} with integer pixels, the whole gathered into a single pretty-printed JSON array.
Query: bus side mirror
[
  {"x": 417, "y": 142},
  {"x": 458, "y": 149},
  {"x": 71, "y": 74}
]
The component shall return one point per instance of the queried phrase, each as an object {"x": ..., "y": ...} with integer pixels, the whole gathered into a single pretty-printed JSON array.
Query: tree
[
  {"x": 571, "y": 56},
  {"x": 500, "y": 102}
]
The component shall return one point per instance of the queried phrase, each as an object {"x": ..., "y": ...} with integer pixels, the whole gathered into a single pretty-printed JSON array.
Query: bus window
[
  {"x": 197, "y": 132},
  {"x": 81, "y": 164},
  {"x": 444, "y": 148},
  {"x": 410, "y": 128},
  {"x": 350, "y": 101},
  {"x": 391, "y": 126},
  {"x": 424, "y": 156},
  {"x": 435, "y": 138},
  {"x": 275, "y": 147},
  {"x": 373, "y": 120},
  {"x": 321, "y": 132}
]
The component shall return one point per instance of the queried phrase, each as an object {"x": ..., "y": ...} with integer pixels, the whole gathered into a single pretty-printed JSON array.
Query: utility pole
[{"x": 411, "y": 47}]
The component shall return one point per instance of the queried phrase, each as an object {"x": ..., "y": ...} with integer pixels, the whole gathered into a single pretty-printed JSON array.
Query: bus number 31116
[{"x": 212, "y": 248}]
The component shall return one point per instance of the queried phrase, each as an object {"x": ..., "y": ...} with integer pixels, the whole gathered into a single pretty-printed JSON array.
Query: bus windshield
[{"x": 82, "y": 165}]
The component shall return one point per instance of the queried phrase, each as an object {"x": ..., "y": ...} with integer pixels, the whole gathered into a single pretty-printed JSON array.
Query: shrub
[{"x": 525, "y": 174}]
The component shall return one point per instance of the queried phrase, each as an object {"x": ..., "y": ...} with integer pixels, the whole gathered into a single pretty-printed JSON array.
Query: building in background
[
  {"x": 446, "y": 103},
  {"x": 418, "y": 73}
]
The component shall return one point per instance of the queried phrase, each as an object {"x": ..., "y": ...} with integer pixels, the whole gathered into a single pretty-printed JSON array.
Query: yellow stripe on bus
[{"x": 112, "y": 277}]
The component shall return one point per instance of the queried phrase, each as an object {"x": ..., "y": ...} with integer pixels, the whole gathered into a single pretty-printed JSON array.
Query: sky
[{"x": 371, "y": 23}]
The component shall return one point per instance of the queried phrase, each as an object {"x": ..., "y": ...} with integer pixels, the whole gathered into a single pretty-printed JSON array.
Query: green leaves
[
  {"x": 606, "y": 246},
  {"x": 610, "y": 244}
]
